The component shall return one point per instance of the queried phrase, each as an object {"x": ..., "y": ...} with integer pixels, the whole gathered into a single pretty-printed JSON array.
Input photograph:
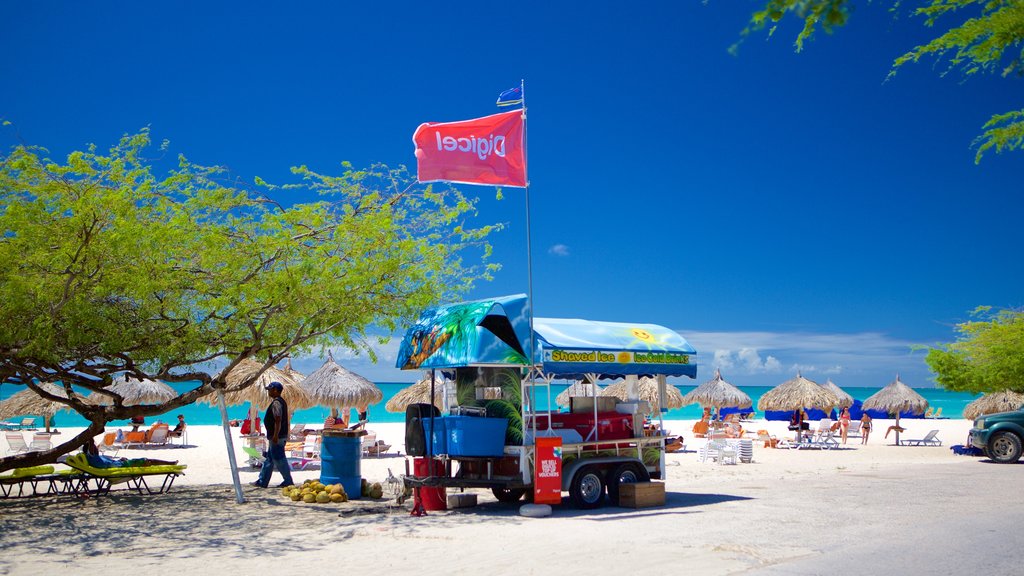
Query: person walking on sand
[
  {"x": 276, "y": 421},
  {"x": 865, "y": 428},
  {"x": 844, "y": 423}
]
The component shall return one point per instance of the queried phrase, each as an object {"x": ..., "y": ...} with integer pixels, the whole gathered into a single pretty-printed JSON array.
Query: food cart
[{"x": 498, "y": 426}]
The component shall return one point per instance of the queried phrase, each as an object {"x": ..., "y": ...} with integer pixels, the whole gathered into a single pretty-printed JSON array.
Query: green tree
[
  {"x": 988, "y": 355},
  {"x": 987, "y": 37},
  {"x": 109, "y": 269}
]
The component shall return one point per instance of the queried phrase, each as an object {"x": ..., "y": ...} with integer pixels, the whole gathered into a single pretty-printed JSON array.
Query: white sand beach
[{"x": 790, "y": 510}]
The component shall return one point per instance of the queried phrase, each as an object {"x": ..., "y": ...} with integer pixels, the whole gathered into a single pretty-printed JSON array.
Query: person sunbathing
[{"x": 97, "y": 460}]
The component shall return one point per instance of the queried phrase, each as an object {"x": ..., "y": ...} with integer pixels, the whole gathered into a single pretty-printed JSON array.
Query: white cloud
[{"x": 559, "y": 250}]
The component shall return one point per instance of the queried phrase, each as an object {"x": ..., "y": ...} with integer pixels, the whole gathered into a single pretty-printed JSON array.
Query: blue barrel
[{"x": 340, "y": 463}]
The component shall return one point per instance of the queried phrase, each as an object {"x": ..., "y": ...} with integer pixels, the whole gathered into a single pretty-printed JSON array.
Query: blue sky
[{"x": 782, "y": 211}]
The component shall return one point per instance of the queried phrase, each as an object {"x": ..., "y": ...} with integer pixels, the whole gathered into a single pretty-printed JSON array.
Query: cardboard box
[
  {"x": 641, "y": 494},
  {"x": 461, "y": 500}
]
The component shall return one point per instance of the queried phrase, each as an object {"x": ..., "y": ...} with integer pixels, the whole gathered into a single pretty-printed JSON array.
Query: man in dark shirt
[{"x": 276, "y": 422}]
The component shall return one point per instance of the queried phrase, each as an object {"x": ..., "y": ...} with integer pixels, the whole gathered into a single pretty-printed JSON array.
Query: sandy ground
[{"x": 788, "y": 511}]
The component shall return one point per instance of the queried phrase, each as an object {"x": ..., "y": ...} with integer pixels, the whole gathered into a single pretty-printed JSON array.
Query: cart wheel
[
  {"x": 625, "y": 474},
  {"x": 508, "y": 494},
  {"x": 587, "y": 489}
]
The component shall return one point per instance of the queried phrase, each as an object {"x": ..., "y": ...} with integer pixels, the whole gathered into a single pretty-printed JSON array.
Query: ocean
[{"x": 952, "y": 404}]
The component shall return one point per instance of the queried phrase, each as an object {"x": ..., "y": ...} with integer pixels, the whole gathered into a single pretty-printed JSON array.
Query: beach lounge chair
[
  {"x": 134, "y": 439},
  {"x": 769, "y": 440},
  {"x": 853, "y": 430},
  {"x": 40, "y": 442},
  {"x": 719, "y": 451},
  {"x": 255, "y": 459},
  {"x": 157, "y": 435},
  {"x": 700, "y": 429},
  {"x": 38, "y": 481},
  {"x": 928, "y": 440},
  {"x": 8, "y": 425},
  {"x": 109, "y": 443},
  {"x": 15, "y": 443},
  {"x": 134, "y": 477},
  {"x": 297, "y": 432},
  {"x": 938, "y": 413},
  {"x": 28, "y": 424}
]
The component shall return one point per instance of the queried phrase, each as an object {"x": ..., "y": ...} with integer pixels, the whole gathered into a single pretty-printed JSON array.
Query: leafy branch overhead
[
  {"x": 111, "y": 269},
  {"x": 988, "y": 37}
]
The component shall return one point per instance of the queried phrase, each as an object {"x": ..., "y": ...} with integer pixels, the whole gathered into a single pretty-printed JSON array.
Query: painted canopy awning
[
  {"x": 494, "y": 332},
  {"x": 489, "y": 332},
  {"x": 569, "y": 348}
]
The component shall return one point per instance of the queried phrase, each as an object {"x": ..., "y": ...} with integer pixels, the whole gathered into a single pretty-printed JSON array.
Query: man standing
[{"x": 276, "y": 421}]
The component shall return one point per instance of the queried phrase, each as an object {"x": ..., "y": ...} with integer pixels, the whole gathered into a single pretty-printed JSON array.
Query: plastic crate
[{"x": 470, "y": 436}]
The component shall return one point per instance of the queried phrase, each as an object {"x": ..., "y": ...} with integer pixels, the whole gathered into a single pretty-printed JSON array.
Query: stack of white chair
[
  {"x": 746, "y": 451},
  {"x": 719, "y": 451}
]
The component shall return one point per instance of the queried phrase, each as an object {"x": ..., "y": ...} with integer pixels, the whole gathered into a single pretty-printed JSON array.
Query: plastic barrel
[
  {"x": 340, "y": 463},
  {"x": 433, "y": 497}
]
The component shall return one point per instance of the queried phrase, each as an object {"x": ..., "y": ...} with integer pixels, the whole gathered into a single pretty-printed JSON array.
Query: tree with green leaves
[
  {"x": 110, "y": 269},
  {"x": 987, "y": 37},
  {"x": 988, "y": 355}
]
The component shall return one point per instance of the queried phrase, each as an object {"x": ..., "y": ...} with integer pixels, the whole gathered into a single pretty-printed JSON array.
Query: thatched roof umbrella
[
  {"x": 256, "y": 393},
  {"x": 796, "y": 394},
  {"x": 335, "y": 387},
  {"x": 135, "y": 391},
  {"x": 1005, "y": 401},
  {"x": 576, "y": 390},
  {"x": 28, "y": 402},
  {"x": 896, "y": 397},
  {"x": 845, "y": 400},
  {"x": 295, "y": 374},
  {"x": 717, "y": 393},
  {"x": 419, "y": 393},
  {"x": 647, "y": 389}
]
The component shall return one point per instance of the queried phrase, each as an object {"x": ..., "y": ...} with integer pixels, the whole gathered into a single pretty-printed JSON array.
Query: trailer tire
[
  {"x": 508, "y": 495},
  {"x": 625, "y": 474},
  {"x": 587, "y": 488},
  {"x": 535, "y": 510}
]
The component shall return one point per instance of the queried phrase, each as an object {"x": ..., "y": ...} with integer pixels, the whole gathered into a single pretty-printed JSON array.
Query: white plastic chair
[
  {"x": 16, "y": 443},
  {"x": 928, "y": 440},
  {"x": 40, "y": 442}
]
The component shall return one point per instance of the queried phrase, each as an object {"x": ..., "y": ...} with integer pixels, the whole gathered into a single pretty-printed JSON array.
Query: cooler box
[
  {"x": 470, "y": 436},
  {"x": 439, "y": 438},
  {"x": 610, "y": 425}
]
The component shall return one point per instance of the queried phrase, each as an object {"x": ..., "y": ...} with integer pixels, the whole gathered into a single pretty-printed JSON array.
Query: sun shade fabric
[
  {"x": 491, "y": 332},
  {"x": 570, "y": 348}
]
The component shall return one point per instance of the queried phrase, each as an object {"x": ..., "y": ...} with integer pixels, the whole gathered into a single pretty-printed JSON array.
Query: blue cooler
[
  {"x": 340, "y": 461},
  {"x": 439, "y": 439},
  {"x": 473, "y": 436}
]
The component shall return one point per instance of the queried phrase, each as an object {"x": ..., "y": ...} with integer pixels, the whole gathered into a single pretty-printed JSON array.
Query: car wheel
[
  {"x": 1004, "y": 447},
  {"x": 625, "y": 474},
  {"x": 508, "y": 494},
  {"x": 587, "y": 488}
]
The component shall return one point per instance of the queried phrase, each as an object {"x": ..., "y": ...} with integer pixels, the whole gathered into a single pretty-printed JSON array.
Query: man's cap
[{"x": 275, "y": 386}]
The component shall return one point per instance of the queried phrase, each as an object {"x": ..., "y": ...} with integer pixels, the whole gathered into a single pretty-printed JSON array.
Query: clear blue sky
[{"x": 782, "y": 211}]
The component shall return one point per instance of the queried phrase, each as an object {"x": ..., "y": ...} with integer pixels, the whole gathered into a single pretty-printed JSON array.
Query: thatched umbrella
[
  {"x": 1005, "y": 401},
  {"x": 28, "y": 402},
  {"x": 576, "y": 390},
  {"x": 796, "y": 394},
  {"x": 335, "y": 387},
  {"x": 419, "y": 393},
  {"x": 135, "y": 392},
  {"x": 647, "y": 389},
  {"x": 256, "y": 393},
  {"x": 896, "y": 397},
  {"x": 717, "y": 393},
  {"x": 295, "y": 374},
  {"x": 845, "y": 400}
]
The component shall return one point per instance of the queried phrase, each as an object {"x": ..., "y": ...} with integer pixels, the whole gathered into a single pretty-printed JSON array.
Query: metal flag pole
[{"x": 529, "y": 262}]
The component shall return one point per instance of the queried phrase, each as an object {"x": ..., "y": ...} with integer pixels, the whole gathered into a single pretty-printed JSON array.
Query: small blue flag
[{"x": 510, "y": 97}]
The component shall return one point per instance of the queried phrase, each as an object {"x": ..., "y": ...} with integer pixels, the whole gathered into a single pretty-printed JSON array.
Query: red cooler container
[{"x": 433, "y": 497}]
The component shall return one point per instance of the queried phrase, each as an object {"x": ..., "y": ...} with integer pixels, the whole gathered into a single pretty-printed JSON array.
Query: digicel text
[{"x": 482, "y": 147}]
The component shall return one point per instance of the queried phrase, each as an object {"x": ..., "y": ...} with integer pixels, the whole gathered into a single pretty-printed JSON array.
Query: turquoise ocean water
[{"x": 952, "y": 404}]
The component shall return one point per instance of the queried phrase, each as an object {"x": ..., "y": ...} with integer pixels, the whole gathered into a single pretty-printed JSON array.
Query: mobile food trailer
[{"x": 495, "y": 423}]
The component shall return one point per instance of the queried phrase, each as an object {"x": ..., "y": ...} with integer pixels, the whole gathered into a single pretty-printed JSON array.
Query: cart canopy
[
  {"x": 494, "y": 332},
  {"x": 570, "y": 348}
]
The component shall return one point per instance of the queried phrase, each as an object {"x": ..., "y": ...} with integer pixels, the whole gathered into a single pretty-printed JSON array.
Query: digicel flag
[{"x": 486, "y": 150}]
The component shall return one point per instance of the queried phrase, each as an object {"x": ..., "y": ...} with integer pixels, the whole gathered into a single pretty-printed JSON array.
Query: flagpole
[{"x": 529, "y": 259}]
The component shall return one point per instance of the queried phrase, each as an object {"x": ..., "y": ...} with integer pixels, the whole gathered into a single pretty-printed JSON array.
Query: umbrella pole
[
  {"x": 231, "y": 448},
  {"x": 897, "y": 427}
]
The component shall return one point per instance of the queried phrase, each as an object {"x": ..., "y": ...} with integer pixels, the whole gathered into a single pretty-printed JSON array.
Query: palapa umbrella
[
  {"x": 576, "y": 390},
  {"x": 796, "y": 394},
  {"x": 717, "y": 393},
  {"x": 419, "y": 393},
  {"x": 28, "y": 402},
  {"x": 256, "y": 393},
  {"x": 845, "y": 400},
  {"x": 335, "y": 387},
  {"x": 647, "y": 389},
  {"x": 896, "y": 397},
  {"x": 135, "y": 391},
  {"x": 1005, "y": 401}
]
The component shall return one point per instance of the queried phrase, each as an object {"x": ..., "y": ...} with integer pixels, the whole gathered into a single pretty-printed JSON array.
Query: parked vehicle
[{"x": 1000, "y": 435}]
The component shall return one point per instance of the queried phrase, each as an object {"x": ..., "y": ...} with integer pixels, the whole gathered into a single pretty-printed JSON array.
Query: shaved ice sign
[{"x": 611, "y": 357}]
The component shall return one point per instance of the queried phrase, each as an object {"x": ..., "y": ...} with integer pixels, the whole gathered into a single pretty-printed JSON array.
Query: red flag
[{"x": 486, "y": 150}]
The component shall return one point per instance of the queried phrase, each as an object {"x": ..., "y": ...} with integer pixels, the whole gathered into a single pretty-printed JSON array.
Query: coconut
[
  {"x": 336, "y": 497},
  {"x": 295, "y": 496},
  {"x": 308, "y": 498},
  {"x": 322, "y": 498},
  {"x": 376, "y": 491},
  {"x": 337, "y": 489}
]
